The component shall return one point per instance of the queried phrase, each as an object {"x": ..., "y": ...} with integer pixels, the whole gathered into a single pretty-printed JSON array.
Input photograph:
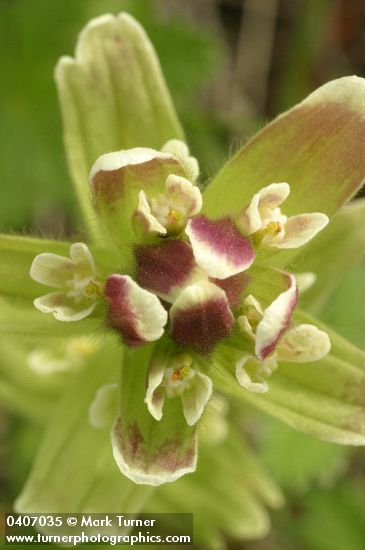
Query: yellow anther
[
  {"x": 273, "y": 227},
  {"x": 91, "y": 289},
  {"x": 180, "y": 373},
  {"x": 174, "y": 215},
  {"x": 182, "y": 368}
]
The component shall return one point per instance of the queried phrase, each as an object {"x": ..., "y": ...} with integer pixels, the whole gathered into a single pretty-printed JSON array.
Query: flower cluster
[
  {"x": 192, "y": 279},
  {"x": 274, "y": 339},
  {"x": 200, "y": 291}
]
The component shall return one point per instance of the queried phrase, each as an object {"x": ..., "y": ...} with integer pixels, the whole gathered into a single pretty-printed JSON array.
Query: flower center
[
  {"x": 274, "y": 227},
  {"x": 84, "y": 288},
  {"x": 171, "y": 217},
  {"x": 178, "y": 375},
  {"x": 174, "y": 215}
]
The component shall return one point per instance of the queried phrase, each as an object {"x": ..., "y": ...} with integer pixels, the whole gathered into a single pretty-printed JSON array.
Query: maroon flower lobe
[
  {"x": 219, "y": 247},
  {"x": 136, "y": 313},
  {"x": 164, "y": 268},
  {"x": 201, "y": 317}
]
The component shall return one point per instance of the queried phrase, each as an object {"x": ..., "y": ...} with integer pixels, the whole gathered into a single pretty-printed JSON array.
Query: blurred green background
[{"x": 231, "y": 66}]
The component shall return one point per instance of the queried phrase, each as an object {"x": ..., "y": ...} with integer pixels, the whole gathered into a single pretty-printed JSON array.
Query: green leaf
[
  {"x": 72, "y": 450},
  {"x": 339, "y": 247},
  {"x": 316, "y": 147},
  {"x": 113, "y": 96},
  {"x": 16, "y": 256},
  {"x": 324, "y": 398},
  {"x": 146, "y": 450}
]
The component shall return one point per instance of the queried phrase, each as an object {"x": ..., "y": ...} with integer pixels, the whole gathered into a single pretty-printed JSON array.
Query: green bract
[{"x": 195, "y": 288}]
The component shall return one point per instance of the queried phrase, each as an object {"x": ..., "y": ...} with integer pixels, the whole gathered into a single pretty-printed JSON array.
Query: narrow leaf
[{"x": 113, "y": 96}]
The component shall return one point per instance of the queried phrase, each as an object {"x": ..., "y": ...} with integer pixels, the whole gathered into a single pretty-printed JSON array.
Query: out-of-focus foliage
[
  {"x": 298, "y": 461},
  {"x": 335, "y": 519},
  {"x": 322, "y": 519},
  {"x": 35, "y": 186},
  {"x": 33, "y": 175}
]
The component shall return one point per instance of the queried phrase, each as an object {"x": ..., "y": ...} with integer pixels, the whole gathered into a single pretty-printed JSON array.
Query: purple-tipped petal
[
  {"x": 219, "y": 247},
  {"x": 276, "y": 319},
  {"x": 166, "y": 268},
  {"x": 201, "y": 317},
  {"x": 136, "y": 313}
]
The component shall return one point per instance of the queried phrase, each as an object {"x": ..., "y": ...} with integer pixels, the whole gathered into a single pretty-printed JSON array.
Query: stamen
[
  {"x": 182, "y": 369},
  {"x": 174, "y": 215},
  {"x": 180, "y": 374},
  {"x": 274, "y": 227}
]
